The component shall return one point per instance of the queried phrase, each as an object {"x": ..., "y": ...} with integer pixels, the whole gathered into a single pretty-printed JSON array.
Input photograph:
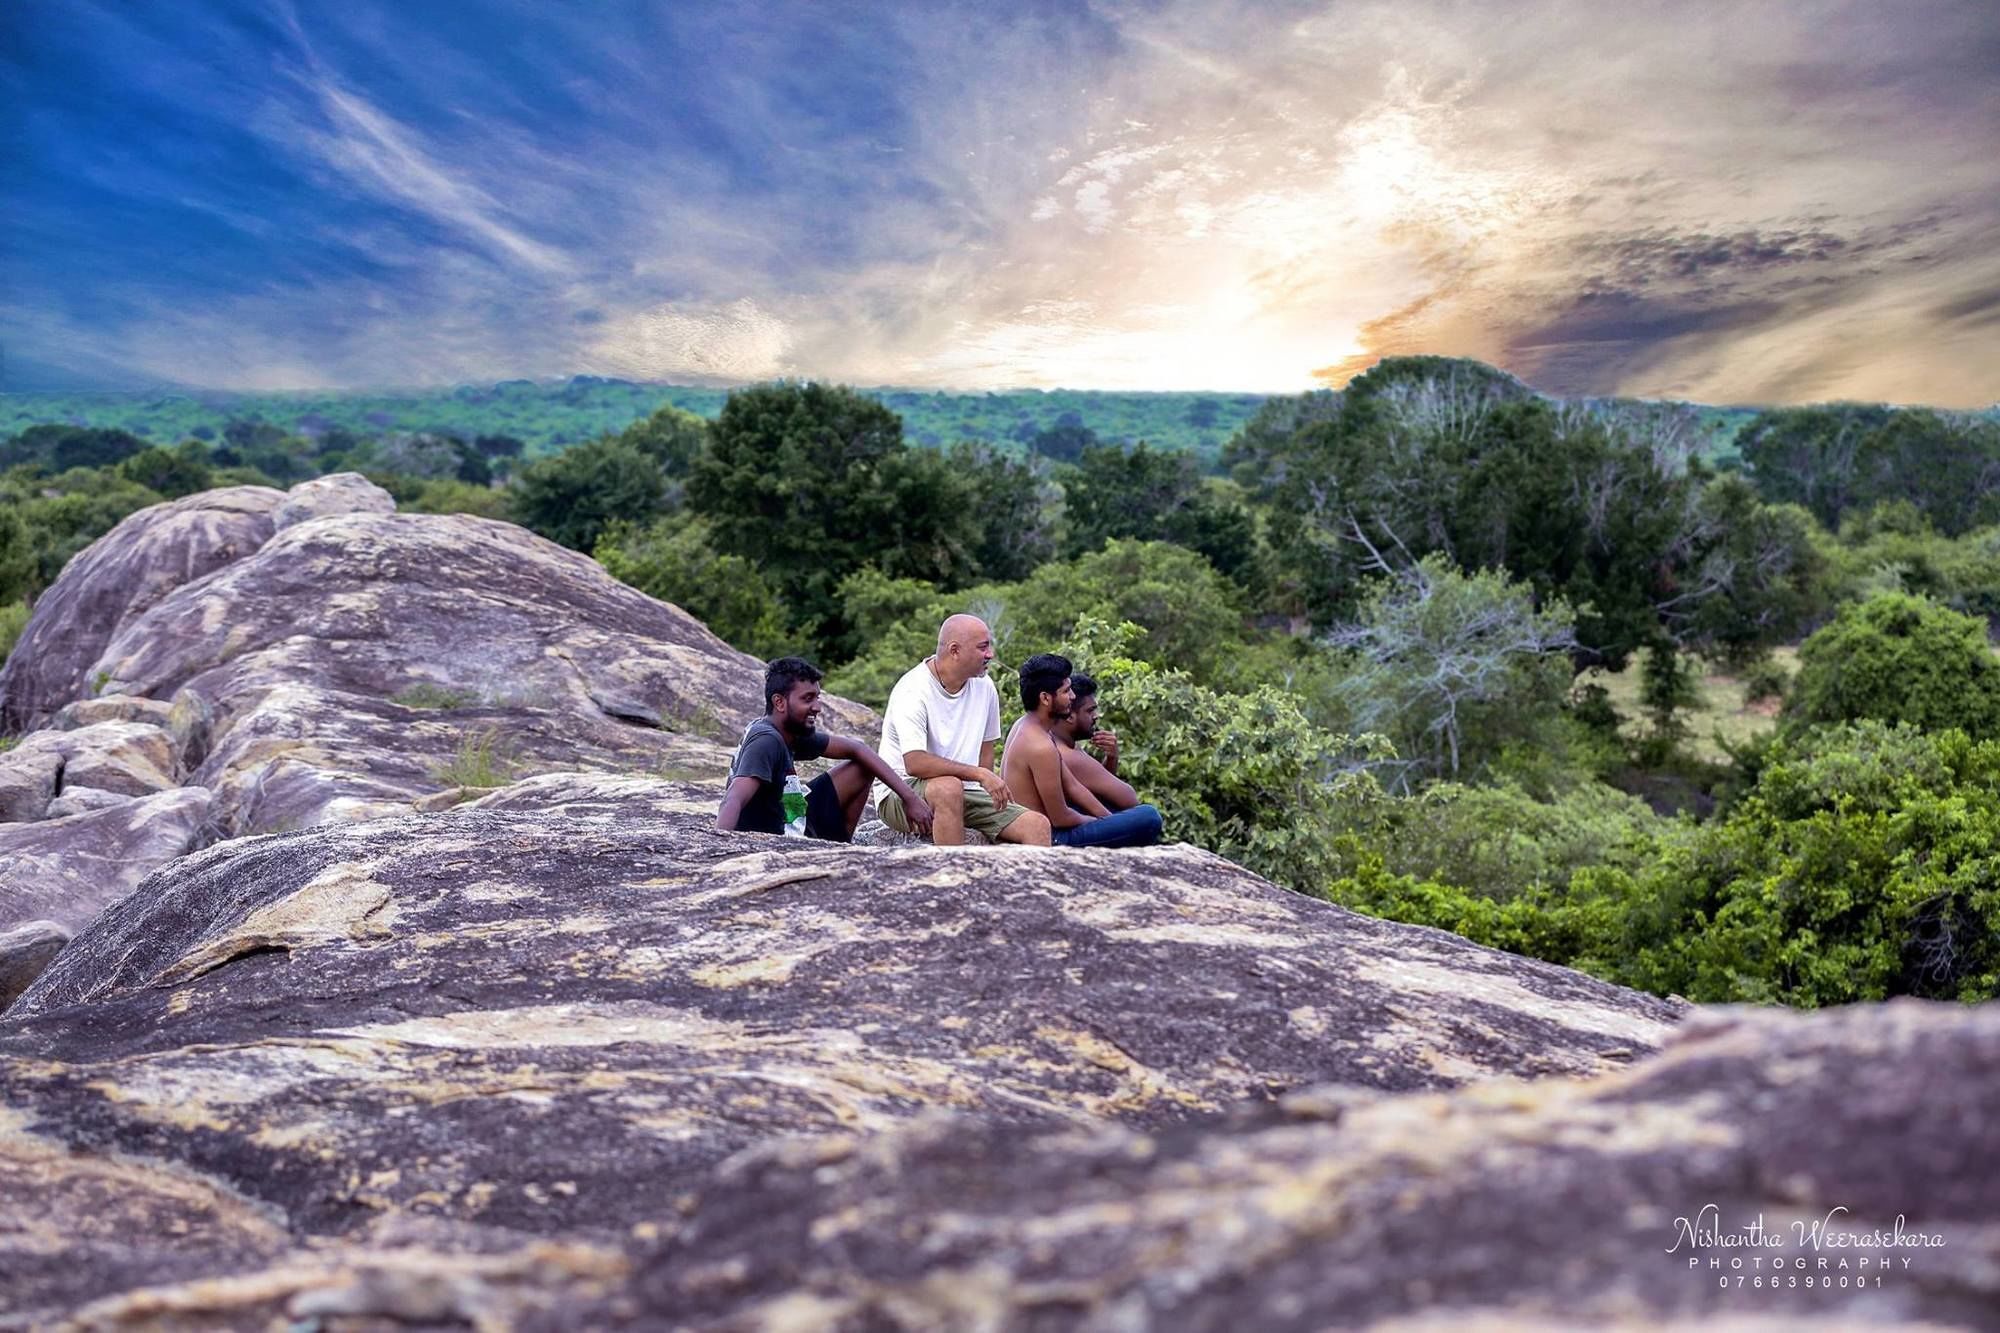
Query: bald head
[{"x": 965, "y": 646}]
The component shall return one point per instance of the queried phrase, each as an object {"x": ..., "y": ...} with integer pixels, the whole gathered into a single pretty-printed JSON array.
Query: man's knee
[
  {"x": 1029, "y": 829},
  {"x": 947, "y": 796}
]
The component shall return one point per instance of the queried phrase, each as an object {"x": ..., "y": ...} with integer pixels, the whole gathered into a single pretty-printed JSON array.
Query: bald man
[{"x": 938, "y": 734}]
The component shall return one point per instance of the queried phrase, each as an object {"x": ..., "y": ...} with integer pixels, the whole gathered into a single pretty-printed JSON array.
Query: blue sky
[{"x": 1773, "y": 203}]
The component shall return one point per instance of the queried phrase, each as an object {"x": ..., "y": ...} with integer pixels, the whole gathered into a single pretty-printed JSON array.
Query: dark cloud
[
  {"x": 1977, "y": 308},
  {"x": 1611, "y": 336}
]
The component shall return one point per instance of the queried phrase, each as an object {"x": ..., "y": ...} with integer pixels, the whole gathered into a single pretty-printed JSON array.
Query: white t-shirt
[{"x": 922, "y": 716}]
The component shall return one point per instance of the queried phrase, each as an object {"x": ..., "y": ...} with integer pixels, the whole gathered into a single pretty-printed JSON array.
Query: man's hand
[
  {"x": 918, "y": 811},
  {"x": 996, "y": 787},
  {"x": 1107, "y": 741}
]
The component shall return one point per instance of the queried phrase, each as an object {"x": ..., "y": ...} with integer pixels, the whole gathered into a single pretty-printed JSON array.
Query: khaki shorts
[{"x": 981, "y": 814}]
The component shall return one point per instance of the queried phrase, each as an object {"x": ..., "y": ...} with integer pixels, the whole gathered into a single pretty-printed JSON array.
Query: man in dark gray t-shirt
[{"x": 787, "y": 732}]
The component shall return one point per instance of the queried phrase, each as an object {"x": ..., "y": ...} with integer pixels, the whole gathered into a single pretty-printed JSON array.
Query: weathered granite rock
[
  {"x": 358, "y": 663},
  {"x": 554, "y": 1018},
  {"x": 134, "y": 758},
  {"x": 1559, "y": 1203},
  {"x": 28, "y": 779},
  {"x": 68, "y": 870},
  {"x": 335, "y": 493},
  {"x": 116, "y": 579},
  {"x": 25, "y": 953},
  {"x": 82, "y": 800},
  {"x": 112, "y": 708}
]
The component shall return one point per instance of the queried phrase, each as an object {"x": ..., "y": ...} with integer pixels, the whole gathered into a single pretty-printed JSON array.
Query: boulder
[
  {"x": 81, "y": 800},
  {"x": 112, "y": 708},
  {"x": 25, "y": 953},
  {"x": 68, "y": 870},
  {"x": 116, "y": 579},
  {"x": 335, "y": 493},
  {"x": 554, "y": 1016},
  {"x": 28, "y": 778},
  {"x": 359, "y": 662},
  {"x": 132, "y": 758}
]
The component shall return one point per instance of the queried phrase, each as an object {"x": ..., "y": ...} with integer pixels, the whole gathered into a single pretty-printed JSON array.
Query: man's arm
[
  {"x": 1115, "y": 792},
  {"x": 739, "y": 794},
  {"x": 846, "y": 747},
  {"x": 1078, "y": 795},
  {"x": 924, "y": 764},
  {"x": 1045, "y": 770}
]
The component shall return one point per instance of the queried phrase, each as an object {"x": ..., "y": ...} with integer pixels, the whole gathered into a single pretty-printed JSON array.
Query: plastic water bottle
[{"x": 795, "y": 807}]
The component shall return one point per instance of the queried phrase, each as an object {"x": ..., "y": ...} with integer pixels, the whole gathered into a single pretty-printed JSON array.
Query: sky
[{"x": 1775, "y": 202}]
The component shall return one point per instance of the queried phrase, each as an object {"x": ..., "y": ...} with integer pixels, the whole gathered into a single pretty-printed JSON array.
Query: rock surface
[
  {"x": 25, "y": 953},
  {"x": 116, "y": 579},
  {"x": 554, "y": 1016},
  {"x": 69, "y": 870},
  {"x": 335, "y": 493}
]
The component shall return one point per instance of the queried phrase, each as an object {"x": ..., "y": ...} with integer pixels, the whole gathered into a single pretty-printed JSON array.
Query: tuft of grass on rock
[
  {"x": 479, "y": 762},
  {"x": 427, "y": 695}
]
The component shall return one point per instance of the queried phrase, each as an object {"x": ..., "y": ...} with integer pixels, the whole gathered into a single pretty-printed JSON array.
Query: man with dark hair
[
  {"x": 1081, "y": 725},
  {"x": 1035, "y": 773},
  {"x": 789, "y": 730}
]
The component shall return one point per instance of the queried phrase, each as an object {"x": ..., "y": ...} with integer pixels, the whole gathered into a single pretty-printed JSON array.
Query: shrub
[
  {"x": 573, "y": 497},
  {"x": 479, "y": 761},
  {"x": 13, "y": 620},
  {"x": 673, "y": 561},
  {"x": 1896, "y": 658}
]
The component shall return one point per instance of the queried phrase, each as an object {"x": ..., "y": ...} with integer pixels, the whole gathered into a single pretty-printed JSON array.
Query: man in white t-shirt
[{"x": 939, "y": 733}]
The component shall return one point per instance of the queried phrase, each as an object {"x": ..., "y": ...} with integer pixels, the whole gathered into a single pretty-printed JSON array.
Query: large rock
[
  {"x": 1862, "y": 1140},
  {"x": 132, "y": 758},
  {"x": 554, "y": 1019},
  {"x": 69, "y": 870},
  {"x": 25, "y": 953},
  {"x": 335, "y": 493},
  {"x": 359, "y": 662},
  {"x": 116, "y": 579}
]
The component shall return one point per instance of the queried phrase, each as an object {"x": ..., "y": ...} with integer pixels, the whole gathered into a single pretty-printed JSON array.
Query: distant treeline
[{"x": 546, "y": 417}]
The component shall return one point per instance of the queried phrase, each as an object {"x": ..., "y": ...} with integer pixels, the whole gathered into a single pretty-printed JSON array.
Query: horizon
[{"x": 1673, "y": 201}]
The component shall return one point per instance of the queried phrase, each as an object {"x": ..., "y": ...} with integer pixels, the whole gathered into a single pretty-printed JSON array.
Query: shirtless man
[
  {"x": 1081, "y": 725},
  {"x": 1036, "y": 775}
]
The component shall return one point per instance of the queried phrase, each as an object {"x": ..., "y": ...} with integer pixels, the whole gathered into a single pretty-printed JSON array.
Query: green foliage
[
  {"x": 551, "y": 416},
  {"x": 61, "y": 515},
  {"x": 1897, "y": 658},
  {"x": 573, "y": 497},
  {"x": 1845, "y": 457},
  {"x": 451, "y": 496},
  {"x": 173, "y": 473},
  {"x": 479, "y": 761},
  {"x": 1190, "y": 615},
  {"x": 1864, "y": 864},
  {"x": 673, "y": 560},
  {"x": 1244, "y": 775},
  {"x": 424, "y": 694},
  {"x": 1503, "y": 840},
  {"x": 13, "y": 620},
  {"x": 813, "y": 482},
  {"x": 1153, "y": 495},
  {"x": 671, "y": 437},
  {"x": 1893, "y": 548}
]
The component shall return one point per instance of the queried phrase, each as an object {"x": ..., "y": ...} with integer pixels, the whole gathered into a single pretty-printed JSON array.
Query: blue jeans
[{"x": 1138, "y": 827}]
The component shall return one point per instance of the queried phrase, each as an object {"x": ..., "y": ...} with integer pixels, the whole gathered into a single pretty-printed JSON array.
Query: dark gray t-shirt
[{"x": 765, "y": 756}]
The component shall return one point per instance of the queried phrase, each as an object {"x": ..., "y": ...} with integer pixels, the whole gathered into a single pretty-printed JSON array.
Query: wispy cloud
[{"x": 1779, "y": 202}]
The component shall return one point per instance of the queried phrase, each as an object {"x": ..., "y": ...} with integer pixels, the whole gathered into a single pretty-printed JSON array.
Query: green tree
[
  {"x": 814, "y": 482},
  {"x": 1154, "y": 495},
  {"x": 1896, "y": 658},
  {"x": 183, "y": 470},
  {"x": 573, "y": 497},
  {"x": 672, "y": 560}
]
